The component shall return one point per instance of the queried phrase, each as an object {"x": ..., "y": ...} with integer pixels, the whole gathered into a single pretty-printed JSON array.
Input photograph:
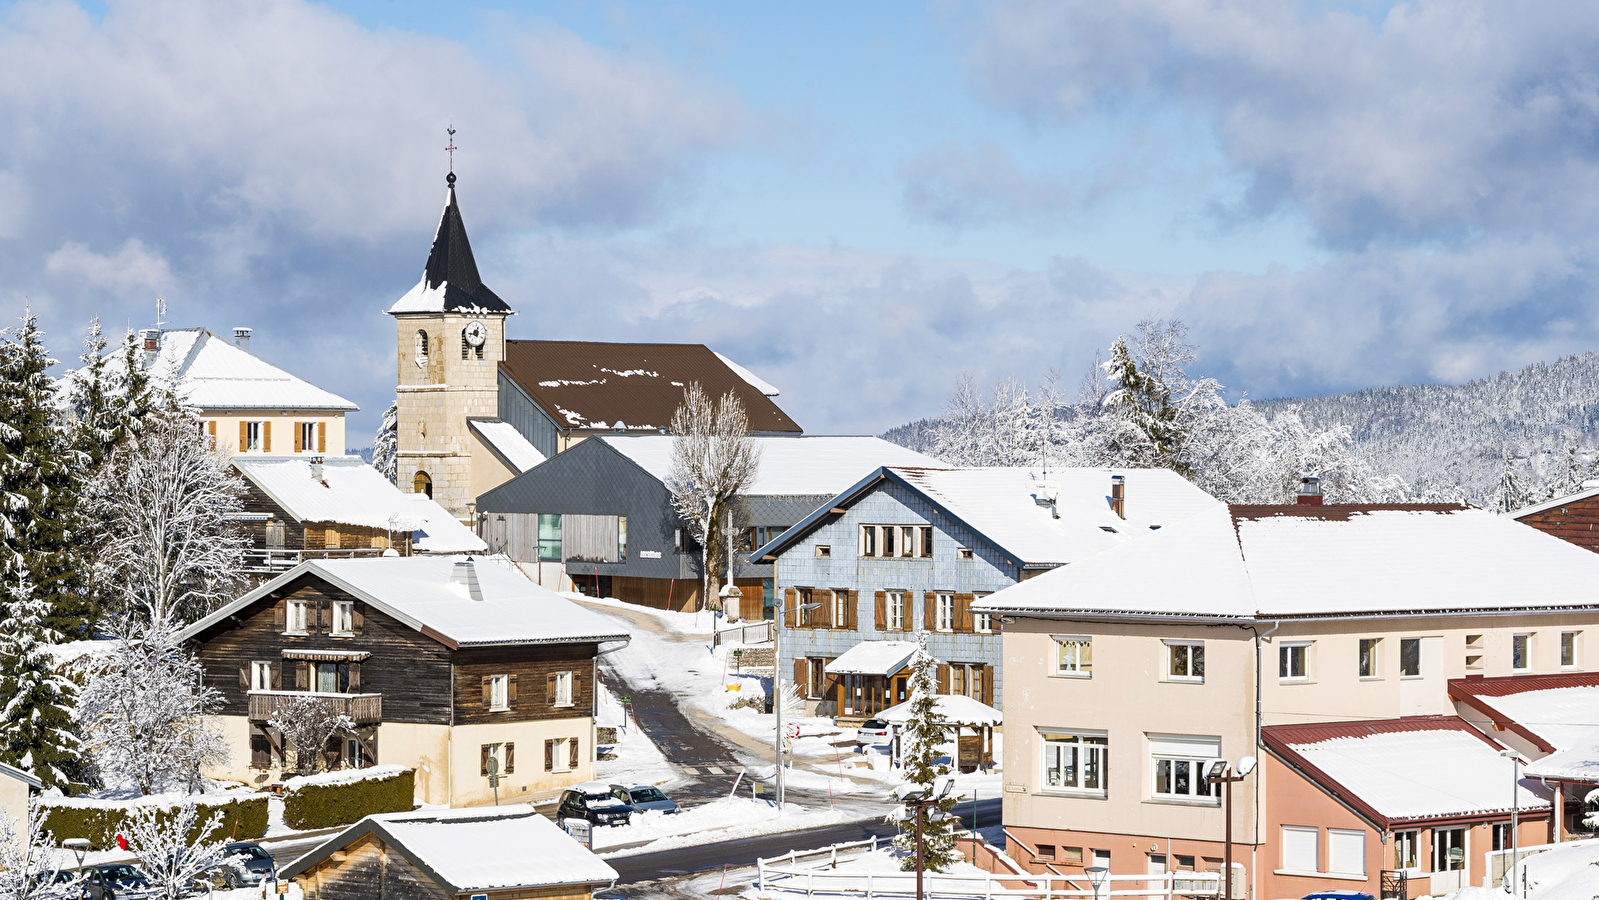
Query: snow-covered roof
[
  {"x": 873, "y": 658},
  {"x": 476, "y": 849},
  {"x": 215, "y": 374},
  {"x": 508, "y": 443},
  {"x": 18, "y": 774},
  {"x": 814, "y": 465},
  {"x": 755, "y": 381},
  {"x": 1557, "y": 713},
  {"x": 450, "y": 281},
  {"x": 952, "y": 709},
  {"x": 1589, "y": 490},
  {"x": 418, "y": 591},
  {"x": 1415, "y": 768},
  {"x": 1245, "y": 562},
  {"x": 351, "y": 492}
]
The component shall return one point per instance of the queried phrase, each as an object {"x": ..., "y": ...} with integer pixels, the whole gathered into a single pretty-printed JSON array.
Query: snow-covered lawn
[
  {"x": 1568, "y": 872},
  {"x": 719, "y": 820},
  {"x": 853, "y": 867}
]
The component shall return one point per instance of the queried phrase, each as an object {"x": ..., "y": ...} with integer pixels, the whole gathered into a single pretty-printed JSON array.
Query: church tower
[{"x": 450, "y": 332}]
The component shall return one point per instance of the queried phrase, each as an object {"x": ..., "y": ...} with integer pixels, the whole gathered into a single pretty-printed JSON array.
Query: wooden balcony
[{"x": 364, "y": 709}]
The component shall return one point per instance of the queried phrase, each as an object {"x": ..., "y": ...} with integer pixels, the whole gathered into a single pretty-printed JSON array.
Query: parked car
[
  {"x": 874, "y": 731},
  {"x": 257, "y": 863},
  {"x": 593, "y": 801},
  {"x": 118, "y": 881},
  {"x": 643, "y": 797}
]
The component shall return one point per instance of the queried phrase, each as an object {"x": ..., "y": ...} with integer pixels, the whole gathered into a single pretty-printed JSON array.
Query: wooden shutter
[
  {"x": 549, "y": 689},
  {"x": 789, "y": 603},
  {"x": 829, "y": 682},
  {"x": 277, "y": 676},
  {"x": 571, "y": 762},
  {"x": 244, "y": 436},
  {"x": 321, "y": 437},
  {"x": 244, "y": 676},
  {"x": 943, "y": 678},
  {"x": 357, "y": 619},
  {"x": 266, "y": 437},
  {"x": 988, "y": 685},
  {"x": 802, "y": 672},
  {"x": 549, "y": 756},
  {"x": 850, "y": 598},
  {"x": 963, "y": 613},
  {"x": 576, "y": 688},
  {"x": 510, "y": 692},
  {"x": 297, "y": 446},
  {"x": 302, "y": 676},
  {"x": 510, "y": 757},
  {"x": 483, "y": 759},
  {"x": 211, "y": 429},
  {"x": 324, "y": 616},
  {"x": 822, "y": 616},
  {"x": 280, "y": 616},
  {"x": 355, "y": 678},
  {"x": 488, "y": 691},
  {"x": 882, "y": 610},
  {"x": 929, "y": 611}
]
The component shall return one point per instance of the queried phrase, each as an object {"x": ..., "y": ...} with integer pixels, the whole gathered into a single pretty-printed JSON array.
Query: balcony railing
[
  {"x": 364, "y": 709},
  {"x": 282, "y": 560}
]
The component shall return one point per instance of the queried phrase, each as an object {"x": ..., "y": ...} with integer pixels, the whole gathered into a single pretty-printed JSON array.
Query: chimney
[
  {"x": 241, "y": 338},
  {"x": 465, "y": 574},
  {"x": 1118, "y": 495},
  {"x": 152, "y": 345},
  {"x": 1310, "y": 491},
  {"x": 316, "y": 468}
]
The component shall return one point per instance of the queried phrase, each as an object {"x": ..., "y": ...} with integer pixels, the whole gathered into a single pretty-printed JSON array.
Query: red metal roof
[{"x": 1506, "y": 685}]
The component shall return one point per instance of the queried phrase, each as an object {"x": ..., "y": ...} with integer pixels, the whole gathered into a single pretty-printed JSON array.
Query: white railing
[
  {"x": 784, "y": 874},
  {"x": 748, "y": 633}
]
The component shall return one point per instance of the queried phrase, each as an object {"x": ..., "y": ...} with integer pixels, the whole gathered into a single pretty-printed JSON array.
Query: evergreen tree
[
  {"x": 136, "y": 396},
  {"x": 1146, "y": 384},
  {"x": 926, "y": 738},
  {"x": 386, "y": 444},
  {"x": 93, "y": 399},
  {"x": 36, "y": 722},
  {"x": 1513, "y": 491}
]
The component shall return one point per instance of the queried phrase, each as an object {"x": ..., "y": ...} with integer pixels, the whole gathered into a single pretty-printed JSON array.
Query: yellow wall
[{"x": 283, "y": 430}]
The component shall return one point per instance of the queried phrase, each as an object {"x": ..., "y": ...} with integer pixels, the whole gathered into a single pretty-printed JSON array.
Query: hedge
[
  {"x": 244, "y": 816},
  {"x": 340, "y": 798}
]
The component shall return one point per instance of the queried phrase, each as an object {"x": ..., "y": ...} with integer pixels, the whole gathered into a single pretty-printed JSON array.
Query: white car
[{"x": 874, "y": 731}]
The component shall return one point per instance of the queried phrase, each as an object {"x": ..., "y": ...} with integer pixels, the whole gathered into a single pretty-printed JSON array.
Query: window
[
  {"x": 295, "y": 622},
  {"x": 802, "y": 617},
  {"x": 1185, "y": 863},
  {"x": 621, "y": 538},
  {"x": 868, "y": 540},
  {"x": 1568, "y": 649},
  {"x": 557, "y": 756},
  {"x": 1301, "y": 848},
  {"x": 1293, "y": 662},
  {"x": 907, "y": 540},
  {"x": 1074, "y": 656},
  {"x": 927, "y": 541},
  {"x": 963, "y": 553},
  {"x": 260, "y": 676},
  {"x": 1501, "y": 836},
  {"x": 503, "y": 757},
  {"x": 467, "y": 348},
  {"x": 252, "y": 436},
  {"x": 982, "y": 623},
  {"x": 1521, "y": 652},
  {"x": 841, "y": 610},
  {"x": 421, "y": 348},
  {"x": 888, "y": 542},
  {"x": 1405, "y": 850},
  {"x": 260, "y": 751},
  {"x": 966, "y": 680},
  {"x": 344, "y": 617},
  {"x": 558, "y": 689},
  {"x": 944, "y": 612},
  {"x": 1185, "y": 661},
  {"x": 1102, "y": 858},
  {"x": 352, "y": 754},
  {"x": 1072, "y": 855},
  {"x": 1075, "y": 762},
  {"x": 499, "y": 693},
  {"x": 1346, "y": 852},
  {"x": 1410, "y": 657},
  {"x": 1178, "y": 767},
  {"x": 422, "y": 484},
  {"x": 332, "y": 678},
  {"x": 896, "y": 610},
  {"x": 1046, "y": 851},
  {"x": 824, "y": 549},
  {"x": 1368, "y": 657},
  {"x": 549, "y": 537},
  {"x": 1448, "y": 849}
]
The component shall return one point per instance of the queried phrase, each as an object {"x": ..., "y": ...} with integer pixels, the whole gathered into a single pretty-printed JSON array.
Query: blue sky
[{"x": 859, "y": 201}]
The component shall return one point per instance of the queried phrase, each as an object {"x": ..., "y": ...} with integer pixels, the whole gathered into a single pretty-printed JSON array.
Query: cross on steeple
[{"x": 451, "y": 149}]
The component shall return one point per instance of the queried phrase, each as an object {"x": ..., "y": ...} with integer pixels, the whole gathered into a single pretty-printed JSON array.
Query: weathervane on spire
[{"x": 451, "y": 150}]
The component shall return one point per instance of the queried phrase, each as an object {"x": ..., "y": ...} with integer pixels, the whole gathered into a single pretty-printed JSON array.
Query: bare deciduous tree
[
  {"x": 160, "y": 838},
  {"x": 308, "y": 723},
  {"x": 29, "y": 860},
  {"x": 714, "y": 459}
]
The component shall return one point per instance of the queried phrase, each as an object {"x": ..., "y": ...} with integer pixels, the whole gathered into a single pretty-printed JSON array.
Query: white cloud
[{"x": 131, "y": 268}]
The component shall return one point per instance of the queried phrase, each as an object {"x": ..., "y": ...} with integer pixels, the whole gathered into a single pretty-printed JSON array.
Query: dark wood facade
[
  {"x": 1576, "y": 521},
  {"x": 282, "y": 531}
]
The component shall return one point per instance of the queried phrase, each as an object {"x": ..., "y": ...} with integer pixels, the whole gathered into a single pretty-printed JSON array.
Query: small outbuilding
[
  {"x": 956, "y": 713},
  {"x": 498, "y": 853}
]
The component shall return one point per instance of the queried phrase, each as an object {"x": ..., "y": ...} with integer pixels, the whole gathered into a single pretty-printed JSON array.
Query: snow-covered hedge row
[
  {"x": 345, "y": 796},
  {"x": 244, "y": 815}
]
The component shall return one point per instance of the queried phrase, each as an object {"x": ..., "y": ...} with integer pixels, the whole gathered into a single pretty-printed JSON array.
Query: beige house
[
  {"x": 1129, "y": 671},
  {"x": 16, "y": 786}
]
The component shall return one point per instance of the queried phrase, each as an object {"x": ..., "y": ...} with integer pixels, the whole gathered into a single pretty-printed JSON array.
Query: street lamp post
[
  {"x": 777, "y": 692},
  {"x": 1515, "y": 809},
  {"x": 919, "y": 799},
  {"x": 1221, "y": 773},
  {"x": 1097, "y": 875}
]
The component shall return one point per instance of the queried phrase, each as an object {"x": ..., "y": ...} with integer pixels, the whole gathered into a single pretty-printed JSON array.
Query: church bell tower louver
[{"x": 450, "y": 341}]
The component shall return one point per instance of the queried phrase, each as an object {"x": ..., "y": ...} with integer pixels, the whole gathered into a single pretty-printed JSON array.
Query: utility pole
[
  {"x": 1515, "y": 809},
  {"x": 777, "y": 690}
]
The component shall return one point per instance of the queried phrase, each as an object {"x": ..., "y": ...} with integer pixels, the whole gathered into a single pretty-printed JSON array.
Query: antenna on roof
[{"x": 160, "y": 311}]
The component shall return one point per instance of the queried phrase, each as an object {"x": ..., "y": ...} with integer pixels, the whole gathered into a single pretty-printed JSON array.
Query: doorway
[
  {"x": 1421, "y": 676},
  {"x": 1448, "y": 860}
]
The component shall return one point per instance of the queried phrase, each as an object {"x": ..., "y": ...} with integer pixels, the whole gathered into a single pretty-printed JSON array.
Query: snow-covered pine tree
[
  {"x": 1512, "y": 492},
  {"x": 29, "y": 860},
  {"x": 925, "y": 736},
  {"x": 169, "y": 857},
  {"x": 92, "y": 396},
  {"x": 136, "y": 397},
  {"x": 144, "y": 706},
  {"x": 386, "y": 443},
  {"x": 36, "y": 722}
]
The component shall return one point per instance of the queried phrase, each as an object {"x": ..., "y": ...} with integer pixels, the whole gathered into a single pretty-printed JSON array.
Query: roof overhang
[{"x": 882, "y": 658}]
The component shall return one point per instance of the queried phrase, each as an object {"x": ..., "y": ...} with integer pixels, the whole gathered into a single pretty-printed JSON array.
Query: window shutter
[
  {"x": 357, "y": 619},
  {"x": 355, "y": 678},
  {"x": 321, "y": 437},
  {"x": 302, "y": 676},
  {"x": 483, "y": 759},
  {"x": 244, "y": 436},
  {"x": 510, "y": 757},
  {"x": 297, "y": 431},
  {"x": 963, "y": 613},
  {"x": 277, "y": 676},
  {"x": 802, "y": 671},
  {"x": 853, "y": 607},
  {"x": 488, "y": 691},
  {"x": 576, "y": 689},
  {"x": 829, "y": 682},
  {"x": 988, "y": 685},
  {"x": 510, "y": 691},
  {"x": 822, "y": 616},
  {"x": 882, "y": 610},
  {"x": 549, "y": 756},
  {"x": 789, "y": 603},
  {"x": 549, "y": 689},
  {"x": 266, "y": 437},
  {"x": 572, "y": 761},
  {"x": 1346, "y": 851},
  {"x": 1299, "y": 848},
  {"x": 244, "y": 676},
  {"x": 943, "y": 678},
  {"x": 324, "y": 616},
  {"x": 211, "y": 429},
  {"x": 280, "y": 616},
  {"x": 929, "y": 611}
]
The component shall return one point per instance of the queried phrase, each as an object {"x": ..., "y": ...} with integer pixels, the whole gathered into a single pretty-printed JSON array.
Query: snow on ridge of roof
[
  {"x": 755, "y": 381},
  {"x": 797, "y": 465},
  {"x": 1546, "y": 505},
  {"x": 1420, "y": 773},
  {"x": 509, "y": 443},
  {"x": 952, "y": 709},
  {"x": 352, "y": 492},
  {"x": 215, "y": 374},
  {"x": 873, "y": 658},
  {"x": 1374, "y": 561},
  {"x": 1567, "y": 718},
  {"x": 1002, "y": 502}
]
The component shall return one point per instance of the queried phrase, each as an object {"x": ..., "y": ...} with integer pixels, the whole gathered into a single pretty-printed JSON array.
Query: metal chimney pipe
[{"x": 241, "y": 338}]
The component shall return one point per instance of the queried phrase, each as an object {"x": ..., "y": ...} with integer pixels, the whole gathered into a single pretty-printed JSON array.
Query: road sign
[
  {"x": 493, "y": 767},
  {"x": 494, "y": 781},
  {"x": 793, "y": 730}
]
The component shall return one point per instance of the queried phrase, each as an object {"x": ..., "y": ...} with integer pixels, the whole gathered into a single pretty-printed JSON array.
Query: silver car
[{"x": 644, "y": 797}]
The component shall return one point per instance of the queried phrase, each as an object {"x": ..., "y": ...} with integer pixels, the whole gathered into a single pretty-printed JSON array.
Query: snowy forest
[{"x": 1502, "y": 442}]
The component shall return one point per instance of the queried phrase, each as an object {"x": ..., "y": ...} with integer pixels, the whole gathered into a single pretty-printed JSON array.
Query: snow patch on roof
[
  {"x": 814, "y": 465},
  {"x": 951, "y": 709},
  {"x": 508, "y": 442},
  {"x": 873, "y": 658},
  {"x": 214, "y": 374},
  {"x": 754, "y": 380},
  {"x": 508, "y": 847},
  {"x": 1567, "y": 718}
]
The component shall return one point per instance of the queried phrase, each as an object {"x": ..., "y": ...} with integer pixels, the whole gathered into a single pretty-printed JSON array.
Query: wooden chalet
[
  {"x": 442, "y": 664},
  {"x": 1571, "y": 518}
]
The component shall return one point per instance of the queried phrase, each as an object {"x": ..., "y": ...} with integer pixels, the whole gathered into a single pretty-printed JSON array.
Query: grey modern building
[
  {"x": 906, "y": 550},
  {"x": 598, "y": 516}
]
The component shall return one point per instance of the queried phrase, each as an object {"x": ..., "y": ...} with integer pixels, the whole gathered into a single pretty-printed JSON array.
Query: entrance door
[
  {"x": 1157, "y": 866},
  {"x": 1448, "y": 860},
  {"x": 901, "y": 689},
  {"x": 1421, "y": 676}
]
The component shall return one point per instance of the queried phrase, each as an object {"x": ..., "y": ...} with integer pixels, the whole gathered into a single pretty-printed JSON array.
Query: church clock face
[{"x": 475, "y": 333}]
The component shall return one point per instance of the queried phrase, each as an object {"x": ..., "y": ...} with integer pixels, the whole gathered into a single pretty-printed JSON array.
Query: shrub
[
  {"x": 244, "y": 816},
  {"x": 339, "y": 798}
]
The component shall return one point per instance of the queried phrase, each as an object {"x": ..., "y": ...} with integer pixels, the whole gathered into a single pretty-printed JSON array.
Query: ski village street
[{"x": 1018, "y": 450}]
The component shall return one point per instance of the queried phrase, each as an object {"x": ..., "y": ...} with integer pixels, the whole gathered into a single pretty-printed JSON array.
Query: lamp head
[
  {"x": 1097, "y": 875},
  {"x": 78, "y": 846},
  {"x": 1215, "y": 768},
  {"x": 1246, "y": 764}
]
